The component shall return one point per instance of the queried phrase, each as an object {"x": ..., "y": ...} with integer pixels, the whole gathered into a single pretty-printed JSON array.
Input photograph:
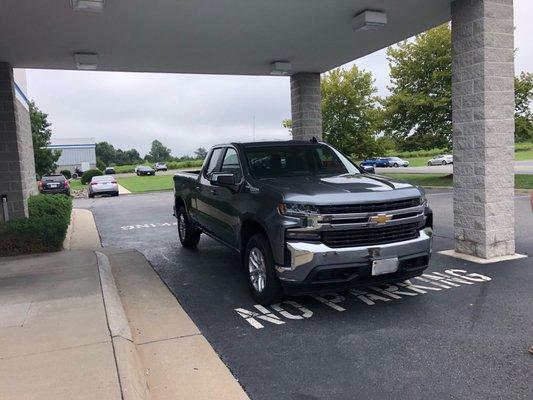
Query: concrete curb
[
  {"x": 131, "y": 374},
  {"x": 68, "y": 236}
]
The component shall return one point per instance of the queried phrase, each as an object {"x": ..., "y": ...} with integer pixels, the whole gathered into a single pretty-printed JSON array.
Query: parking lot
[{"x": 461, "y": 332}]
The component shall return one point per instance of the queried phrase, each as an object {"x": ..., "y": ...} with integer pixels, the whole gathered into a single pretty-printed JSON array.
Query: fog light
[{"x": 428, "y": 231}]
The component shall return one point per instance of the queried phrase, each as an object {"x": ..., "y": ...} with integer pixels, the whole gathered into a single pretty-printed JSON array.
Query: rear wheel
[
  {"x": 189, "y": 234},
  {"x": 444, "y": 163},
  {"x": 429, "y": 163},
  {"x": 395, "y": 165},
  {"x": 91, "y": 195},
  {"x": 262, "y": 278}
]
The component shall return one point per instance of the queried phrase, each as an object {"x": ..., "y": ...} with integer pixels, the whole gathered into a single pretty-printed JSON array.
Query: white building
[{"x": 74, "y": 153}]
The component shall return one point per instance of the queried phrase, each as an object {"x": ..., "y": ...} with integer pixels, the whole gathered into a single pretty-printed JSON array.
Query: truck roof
[{"x": 267, "y": 143}]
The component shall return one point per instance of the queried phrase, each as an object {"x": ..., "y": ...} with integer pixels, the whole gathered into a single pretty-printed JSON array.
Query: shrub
[
  {"x": 66, "y": 173},
  {"x": 58, "y": 206},
  {"x": 184, "y": 164},
  {"x": 43, "y": 231},
  {"x": 87, "y": 175},
  {"x": 100, "y": 164}
]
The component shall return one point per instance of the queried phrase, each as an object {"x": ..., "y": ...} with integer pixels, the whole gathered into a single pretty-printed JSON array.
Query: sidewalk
[
  {"x": 54, "y": 339},
  {"x": 93, "y": 323}
]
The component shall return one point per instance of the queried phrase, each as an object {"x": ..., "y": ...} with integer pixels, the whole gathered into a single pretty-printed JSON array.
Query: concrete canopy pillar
[
  {"x": 17, "y": 164},
  {"x": 305, "y": 106},
  {"x": 483, "y": 126}
]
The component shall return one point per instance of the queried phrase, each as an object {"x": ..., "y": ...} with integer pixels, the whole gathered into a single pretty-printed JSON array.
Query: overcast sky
[{"x": 185, "y": 112}]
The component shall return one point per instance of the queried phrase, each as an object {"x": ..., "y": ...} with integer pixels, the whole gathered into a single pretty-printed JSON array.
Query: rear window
[{"x": 54, "y": 178}]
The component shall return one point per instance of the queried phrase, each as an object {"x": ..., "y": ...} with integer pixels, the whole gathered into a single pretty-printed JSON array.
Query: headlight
[{"x": 298, "y": 210}]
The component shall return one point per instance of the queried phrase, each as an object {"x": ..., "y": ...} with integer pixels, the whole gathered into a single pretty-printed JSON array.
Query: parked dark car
[
  {"x": 304, "y": 218},
  {"x": 144, "y": 170},
  {"x": 53, "y": 184},
  {"x": 109, "y": 171},
  {"x": 378, "y": 162}
]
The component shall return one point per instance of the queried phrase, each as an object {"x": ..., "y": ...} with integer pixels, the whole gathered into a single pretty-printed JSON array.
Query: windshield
[{"x": 293, "y": 160}]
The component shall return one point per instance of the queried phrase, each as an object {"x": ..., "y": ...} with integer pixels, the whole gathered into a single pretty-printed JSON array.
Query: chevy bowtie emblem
[{"x": 379, "y": 219}]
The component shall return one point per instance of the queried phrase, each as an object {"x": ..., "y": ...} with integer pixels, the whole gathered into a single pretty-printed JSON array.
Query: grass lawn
[
  {"x": 418, "y": 161},
  {"x": 524, "y": 155},
  {"x": 147, "y": 183},
  {"x": 446, "y": 180},
  {"x": 75, "y": 184}
]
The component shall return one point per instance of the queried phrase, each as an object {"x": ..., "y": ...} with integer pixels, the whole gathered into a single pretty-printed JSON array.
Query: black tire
[
  {"x": 429, "y": 164},
  {"x": 272, "y": 292},
  {"x": 91, "y": 195},
  {"x": 189, "y": 234},
  {"x": 444, "y": 163},
  {"x": 395, "y": 165}
]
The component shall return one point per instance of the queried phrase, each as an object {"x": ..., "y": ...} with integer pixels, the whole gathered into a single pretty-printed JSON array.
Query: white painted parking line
[
  {"x": 426, "y": 283},
  {"x": 148, "y": 225}
]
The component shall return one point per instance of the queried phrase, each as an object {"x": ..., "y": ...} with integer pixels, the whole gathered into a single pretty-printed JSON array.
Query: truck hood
[{"x": 340, "y": 189}]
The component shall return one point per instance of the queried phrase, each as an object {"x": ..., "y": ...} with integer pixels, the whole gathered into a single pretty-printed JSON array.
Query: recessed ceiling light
[
  {"x": 88, "y": 5},
  {"x": 369, "y": 20},
  {"x": 281, "y": 68},
  {"x": 86, "y": 61}
]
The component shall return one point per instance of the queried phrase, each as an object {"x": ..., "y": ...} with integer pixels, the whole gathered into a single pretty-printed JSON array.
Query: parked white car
[
  {"x": 444, "y": 159},
  {"x": 103, "y": 185}
]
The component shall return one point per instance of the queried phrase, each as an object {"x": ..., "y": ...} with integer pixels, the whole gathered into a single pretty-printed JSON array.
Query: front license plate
[{"x": 385, "y": 266}]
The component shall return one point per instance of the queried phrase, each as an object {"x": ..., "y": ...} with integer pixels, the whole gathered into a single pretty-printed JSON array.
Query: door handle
[{"x": 214, "y": 192}]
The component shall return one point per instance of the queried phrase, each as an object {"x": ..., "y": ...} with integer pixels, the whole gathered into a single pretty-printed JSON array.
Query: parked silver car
[
  {"x": 160, "y": 166},
  {"x": 104, "y": 184},
  {"x": 441, "y": 160}
]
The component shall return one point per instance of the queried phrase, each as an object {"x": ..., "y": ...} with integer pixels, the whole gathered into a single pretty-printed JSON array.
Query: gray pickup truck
[{"x": 304, "y": 217}]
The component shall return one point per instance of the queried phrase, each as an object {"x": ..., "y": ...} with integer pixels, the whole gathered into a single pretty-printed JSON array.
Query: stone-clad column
[
  {"x": 483, "y": 126},
  {"x": 17, "y": 165},
  {"x": 305, "y": 105}
]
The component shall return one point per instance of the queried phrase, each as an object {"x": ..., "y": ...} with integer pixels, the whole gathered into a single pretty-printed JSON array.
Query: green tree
[
  {"x": 200, "y": 153},
  {"x": 523, "y": 113},
  {"x": 287, "y": 124},
  {"x": 45, "y": 159},
  {"x": 418, "y": 112},
  {"x": 350, "y": 116},
  {"x": 106, "y": 152},
  {"x": 132, "y": 156},
  {"x": 158, "y": 152}
]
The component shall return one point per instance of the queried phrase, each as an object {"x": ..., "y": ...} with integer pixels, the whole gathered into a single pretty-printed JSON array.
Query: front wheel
[
  {"x": 429, "y": 164},
  {"x": 395, "y": 165},
  {"x": 189, "y": 234},
  {"x": 262, "y": 278},
  {"x": 444, "y": 163}
]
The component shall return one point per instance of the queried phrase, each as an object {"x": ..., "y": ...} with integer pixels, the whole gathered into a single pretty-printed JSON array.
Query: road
[
  {"x": 168, "y": 172},
  {"x": 467, "y": 339},
  {"x": 521, "y": 167}
]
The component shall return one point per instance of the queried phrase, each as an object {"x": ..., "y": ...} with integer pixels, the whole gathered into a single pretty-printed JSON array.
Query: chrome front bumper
[{"x": 306, "y": 257}]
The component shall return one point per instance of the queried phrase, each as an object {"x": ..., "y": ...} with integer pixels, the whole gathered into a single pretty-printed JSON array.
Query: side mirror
[{"x": 224, "y": 179}]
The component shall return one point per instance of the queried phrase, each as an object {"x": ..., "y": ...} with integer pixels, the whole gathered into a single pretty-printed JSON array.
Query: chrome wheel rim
[
  {"x": 257, "y": 269},
  {"x": 181, "y": 226}
]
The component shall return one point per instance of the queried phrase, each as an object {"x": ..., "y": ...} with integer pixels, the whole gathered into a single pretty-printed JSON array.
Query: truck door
[
  {"x": 201, "y": 200},
  {"x": 224, "y": 200}
]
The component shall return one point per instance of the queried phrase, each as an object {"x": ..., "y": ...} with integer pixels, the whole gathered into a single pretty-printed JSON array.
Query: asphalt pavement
[
  {"x": 462, "y": 332},
  {"x": 520, "y": 167}
]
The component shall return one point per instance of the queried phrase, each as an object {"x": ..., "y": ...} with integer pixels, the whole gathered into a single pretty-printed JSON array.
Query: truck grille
[
  {"x": 370, "y": 236},
  {"x": 372, "y": 207}
]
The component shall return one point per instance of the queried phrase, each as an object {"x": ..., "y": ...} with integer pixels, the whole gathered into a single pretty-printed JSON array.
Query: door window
[
  {"x": 213, "y": 162},
  {"x": 231, "y": 164}
]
